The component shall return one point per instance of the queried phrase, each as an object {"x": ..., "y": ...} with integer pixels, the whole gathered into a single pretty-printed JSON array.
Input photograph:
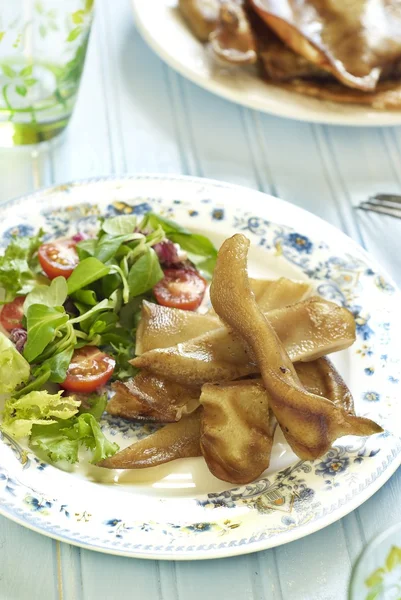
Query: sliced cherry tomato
[
  {"x": 89, "y": 369},
  {"x": 11, "y": 314},
  {"x": 58, "y": 258},
  {"x": 180, "y": 288}
]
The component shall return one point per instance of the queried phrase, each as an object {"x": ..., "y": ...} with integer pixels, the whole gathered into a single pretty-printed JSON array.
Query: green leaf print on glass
[{"x": 385, "y": 582}]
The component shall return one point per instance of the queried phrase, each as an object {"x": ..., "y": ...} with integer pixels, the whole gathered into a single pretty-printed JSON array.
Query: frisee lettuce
[
  {"x": 38, "y": 407},
  {"x": 63, "y": 440}
]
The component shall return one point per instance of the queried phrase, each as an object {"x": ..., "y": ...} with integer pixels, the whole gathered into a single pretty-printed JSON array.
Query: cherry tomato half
[
  {"x": 58, "y": 258},
  {"x": 180, "y": 288},
  {"x": 11, "y": 314},
  {"x": 89, "y": 369}
]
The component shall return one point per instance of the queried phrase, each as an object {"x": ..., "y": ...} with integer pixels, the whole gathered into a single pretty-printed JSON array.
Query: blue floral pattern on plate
[{"x": 205, "y": 518}]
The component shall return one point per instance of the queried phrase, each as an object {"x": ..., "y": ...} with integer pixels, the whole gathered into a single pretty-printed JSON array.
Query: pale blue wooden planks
[
  {"x": 29, "y": 565},
  {"x": 136, "y": 115}
]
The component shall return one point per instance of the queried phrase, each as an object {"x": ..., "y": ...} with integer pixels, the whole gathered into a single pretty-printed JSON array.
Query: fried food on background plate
[
  {"x": 348, "y": 52},
  {"x": 201, "y": 16},
  {"x": 232, "y": 39}
]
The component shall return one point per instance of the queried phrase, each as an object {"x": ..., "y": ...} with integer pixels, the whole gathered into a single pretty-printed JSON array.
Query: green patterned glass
[{"x": 42, "y": 53}]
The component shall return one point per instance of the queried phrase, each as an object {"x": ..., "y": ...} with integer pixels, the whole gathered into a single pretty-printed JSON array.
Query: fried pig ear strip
[
  {"x": 276, "y": 293},
  {"x": 237, "y": 430},
  {"x": 308, "y": 330},
  {"x": 161, "y": 327},
  {"x": 279, "y": 293},
  {"x": 176, "y": 440},
  {"x": 238, "y": 425},
  {"x": 310, "y": 423},
  {"x": 321, "y": 378},
  {"x": 179, "y": 440},
  {"x": 149, "y": 397},
  {"x": 153, "y": 399}
]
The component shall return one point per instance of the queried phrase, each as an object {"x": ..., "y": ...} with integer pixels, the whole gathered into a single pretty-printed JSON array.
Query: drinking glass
[
  {"x": 42, "y": 53},
  {"x": 377, "y": 574}
]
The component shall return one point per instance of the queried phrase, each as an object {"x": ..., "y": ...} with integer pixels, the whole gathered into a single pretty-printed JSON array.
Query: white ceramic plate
[
  {"x": 179, "y": 510},
  {"x": 161, "y": 25}
]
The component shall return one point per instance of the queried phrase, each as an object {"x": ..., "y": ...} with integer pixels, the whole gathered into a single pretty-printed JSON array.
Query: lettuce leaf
[
  {"x": 43, "y": 322},
  {"x": 19, "y": 266},
  {"x": 62, "y": 440},
  {"x": 14, "y": 369},
  {"x": 38, "y": 407},
  {"x": 54, "y": 294}
]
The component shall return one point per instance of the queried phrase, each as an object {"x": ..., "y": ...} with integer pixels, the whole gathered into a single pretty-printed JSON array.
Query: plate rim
[
  {"x": 336, "y": 120},
  {"x": 269, "y": 542}
]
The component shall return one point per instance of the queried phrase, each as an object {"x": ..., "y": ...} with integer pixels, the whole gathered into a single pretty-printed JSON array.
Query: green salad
[{"x": 69, "y": 312}]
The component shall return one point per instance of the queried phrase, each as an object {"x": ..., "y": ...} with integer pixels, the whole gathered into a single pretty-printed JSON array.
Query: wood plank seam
[
  {"x": 328, "y": 160},
  {"x": 185, "y": 156},
  {"x": 393, "y": 154},
  {"x": 60, "y": 586},
  {"x": 392, "y": 132},
  {"x": 158, "y": 580},
  {"x": 277, "y": 570},
  {"x": 182, "y": 86},
  {"x": 249, "y": 129},
  {"x": 267, "y": 171}
]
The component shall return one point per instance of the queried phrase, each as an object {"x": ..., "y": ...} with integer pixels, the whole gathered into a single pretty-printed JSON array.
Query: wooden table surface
[{"x": 136, "y": 115}]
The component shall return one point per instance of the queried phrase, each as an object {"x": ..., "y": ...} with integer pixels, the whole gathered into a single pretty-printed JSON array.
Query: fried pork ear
[
  {"x": 276, "y": 293},
  {"x": 149, "y": 397},
  {"x": 238, "y": 425},
  {"x": 321, "y": 378},
  {"x": 279, "y": 293},
  {"x": 232, "y": 39},
  {"x": 308, "y": 330},
  {"x": 153, "y": 399},
  {"x": 352, "y": 40},
  {"x": 309, "y": 422},
  {"x": 237, "y": 430},
  {"x": 201, "y": 16},
  {"x": 161, "y": 327},
  {"x": 176, "y": 440}
]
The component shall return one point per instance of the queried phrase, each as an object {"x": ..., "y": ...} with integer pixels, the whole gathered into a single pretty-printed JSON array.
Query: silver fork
[{"x": 384, "y": 204}]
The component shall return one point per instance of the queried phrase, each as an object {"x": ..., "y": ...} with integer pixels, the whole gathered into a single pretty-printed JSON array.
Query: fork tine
[
  {"x": 383, "y": 210},
  {"x": 388, "y": 208},
  {"x": 394, "y": 198},
  {"x": 387, "y": 203}
]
